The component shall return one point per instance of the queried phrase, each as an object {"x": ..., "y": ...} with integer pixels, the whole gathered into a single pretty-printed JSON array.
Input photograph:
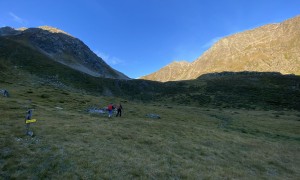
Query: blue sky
[{"x": 138, "y": 37}]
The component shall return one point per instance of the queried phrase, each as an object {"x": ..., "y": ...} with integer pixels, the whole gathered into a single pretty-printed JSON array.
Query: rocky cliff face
[
  {"x": 270, "y": 48},
  {"x": 64, "y": 48}
]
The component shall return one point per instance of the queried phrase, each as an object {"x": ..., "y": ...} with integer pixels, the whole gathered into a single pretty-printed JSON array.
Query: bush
[{"x": 45, "y": 96}]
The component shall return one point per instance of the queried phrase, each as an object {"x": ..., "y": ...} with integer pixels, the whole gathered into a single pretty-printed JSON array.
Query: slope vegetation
[
  {"x": 249, "y": 90},
  {"x": 186, "y": 143},
  {"x": 228, "y": 125}
]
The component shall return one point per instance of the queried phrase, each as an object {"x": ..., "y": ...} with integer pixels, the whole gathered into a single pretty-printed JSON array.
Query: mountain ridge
[
  {"x": 63, "y": 48},
  {"x": 269, "y": 48}
]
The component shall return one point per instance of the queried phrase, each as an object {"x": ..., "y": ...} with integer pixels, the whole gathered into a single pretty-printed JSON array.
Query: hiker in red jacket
[{"x": 110, "y": 109}]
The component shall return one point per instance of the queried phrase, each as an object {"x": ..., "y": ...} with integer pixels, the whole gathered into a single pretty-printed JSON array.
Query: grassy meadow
[{"x": 186, "y": 143}]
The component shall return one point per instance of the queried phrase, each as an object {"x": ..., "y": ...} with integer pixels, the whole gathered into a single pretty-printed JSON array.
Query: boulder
[
  {"x": 94, "y": 110},
  {"x": 153, "y": 116},
  {"x": 4, "y": 92}
]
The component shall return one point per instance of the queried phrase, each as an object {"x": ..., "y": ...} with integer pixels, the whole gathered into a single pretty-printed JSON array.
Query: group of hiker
[{"x": 111, "y": 107}]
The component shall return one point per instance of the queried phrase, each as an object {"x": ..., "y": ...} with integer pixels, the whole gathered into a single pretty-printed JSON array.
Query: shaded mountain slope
[
  {"x": 63, "y": 48},
  {"x": 17, "y": 59},
  {"x": 23, "y": 66}
]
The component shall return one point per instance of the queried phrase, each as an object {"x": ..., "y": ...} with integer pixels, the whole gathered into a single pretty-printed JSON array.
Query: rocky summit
[
  {"x": 269, "y": 48},
  {"x": 63, "y": 48}
]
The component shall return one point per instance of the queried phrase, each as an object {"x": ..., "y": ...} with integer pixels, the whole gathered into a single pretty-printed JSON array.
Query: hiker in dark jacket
[{"x": 119, "y": 110}]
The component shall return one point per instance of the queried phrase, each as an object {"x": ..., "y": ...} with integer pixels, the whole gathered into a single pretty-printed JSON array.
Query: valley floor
[{"x": 186, "y": 143}]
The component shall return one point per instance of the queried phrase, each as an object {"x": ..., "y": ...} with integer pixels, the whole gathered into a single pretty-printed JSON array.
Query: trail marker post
[{"x": 28, "y": 121}]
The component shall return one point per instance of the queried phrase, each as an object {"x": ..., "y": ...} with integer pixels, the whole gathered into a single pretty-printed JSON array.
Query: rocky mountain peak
[
  {"x": 269, "y": 48},
  {"x": 63, "y": 48},
  {"x": 53, "y": 29},
  {"x": 181, "y": 63},
  {"x": 7, "y": 31},
  {"x": 170, "y": 72},
  {"x": 22, "y": 28}
]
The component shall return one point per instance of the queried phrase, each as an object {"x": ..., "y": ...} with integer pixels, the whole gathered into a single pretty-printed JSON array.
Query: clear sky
[{"x": 138, "y": 37}]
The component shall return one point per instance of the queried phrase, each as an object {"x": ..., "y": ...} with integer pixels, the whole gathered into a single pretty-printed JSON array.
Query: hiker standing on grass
[
  {"x": 110, "y": 109},
  {"x": 119, "y": 109}
]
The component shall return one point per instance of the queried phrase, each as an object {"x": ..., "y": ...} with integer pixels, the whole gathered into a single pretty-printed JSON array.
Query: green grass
[
  {"x": 186, "y": 143},
  {"x": 241, "y": 126}
]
